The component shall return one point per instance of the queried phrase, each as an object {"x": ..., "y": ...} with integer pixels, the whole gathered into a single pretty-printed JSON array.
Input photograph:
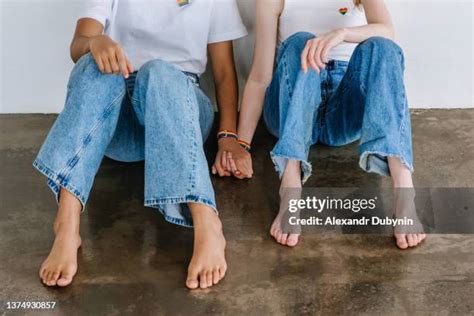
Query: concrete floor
[{"x": 133, "y": 262}]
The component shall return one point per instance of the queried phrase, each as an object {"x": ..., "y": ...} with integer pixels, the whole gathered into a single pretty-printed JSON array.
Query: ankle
[
  {"x": 204, "y": 215},
  {"x": 291, "y": 177},
  {"x": 402, "y": 183},
  {"x": 65, "y": 227}
]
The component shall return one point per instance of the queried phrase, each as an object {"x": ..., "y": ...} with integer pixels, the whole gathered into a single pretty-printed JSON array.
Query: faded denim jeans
[
  {"x": 361, "y": 100},
  {"x": 159, "y": 115}
]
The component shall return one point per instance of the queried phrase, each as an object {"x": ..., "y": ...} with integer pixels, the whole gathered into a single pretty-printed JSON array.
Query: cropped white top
[{"x": 319, "y": 17}]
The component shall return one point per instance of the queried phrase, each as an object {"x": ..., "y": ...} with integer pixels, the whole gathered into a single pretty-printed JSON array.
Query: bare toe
[
  {"x": 222, "y": 272},
  {"x": 215, "y": 276},
  {"x": 209, "y": 249},
  {"x": 203, "y": 280},
  {"x": 65, "y": 279},
  {"x": 421, "y": 237},
  {"x": 401, "y": 241},
  {"x": 209, "y": 278},
  {"x": 54, "y": 279},
  {"x": 292, "y": 240},
  {"x": 46, "y": 277},
  {"x": 192, "y": 280}
]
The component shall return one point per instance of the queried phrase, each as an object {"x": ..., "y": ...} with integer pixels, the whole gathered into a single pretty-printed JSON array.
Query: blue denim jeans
[
  {"x": 159, "y": 115},
  {"x": 361, "y": 100}
]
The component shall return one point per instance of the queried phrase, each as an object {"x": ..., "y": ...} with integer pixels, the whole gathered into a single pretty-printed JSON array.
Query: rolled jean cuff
[
  {"x": 55, "y": 183},
  {"x": 377, "y": 162},
  {"x": 280, "y": 162},
  {"x": 175, "y": 209}
]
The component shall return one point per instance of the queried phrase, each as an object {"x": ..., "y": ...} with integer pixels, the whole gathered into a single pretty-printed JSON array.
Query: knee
[
  {"x": 87, "y": 65},
  {"x": 156, "y": 70},
  {"x": 86, "y": 74},
  {"x": 381, "y": 46},
  {"x": 296, "y": 43}
]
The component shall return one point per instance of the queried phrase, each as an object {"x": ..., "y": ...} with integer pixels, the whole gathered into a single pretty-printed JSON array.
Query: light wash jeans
[
  {"x": 361, "y": 100},
  {"x": 159, "y": 115}
]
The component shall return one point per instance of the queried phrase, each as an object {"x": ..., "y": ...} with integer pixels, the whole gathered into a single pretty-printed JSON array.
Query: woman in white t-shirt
[
  {"x": 134, "y": 95},
  {"x": 338, "y": 78}
]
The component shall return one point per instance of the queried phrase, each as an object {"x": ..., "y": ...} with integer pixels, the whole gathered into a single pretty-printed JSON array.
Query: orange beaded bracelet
[{"x": 245, "y": 145}]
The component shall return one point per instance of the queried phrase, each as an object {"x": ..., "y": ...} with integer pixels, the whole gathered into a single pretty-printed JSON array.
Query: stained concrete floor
[{"x": 133, "y": 262}]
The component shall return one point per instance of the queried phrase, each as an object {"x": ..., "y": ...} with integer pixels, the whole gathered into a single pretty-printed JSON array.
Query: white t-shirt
[
  {"x": 162, "y": 29},
  {"x": 319, "y": 17}
]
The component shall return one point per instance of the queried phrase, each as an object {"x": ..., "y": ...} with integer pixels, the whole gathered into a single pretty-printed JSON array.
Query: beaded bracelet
[
  {"x": 226, "y": 134},
  {"x": 245, "y": 145}
]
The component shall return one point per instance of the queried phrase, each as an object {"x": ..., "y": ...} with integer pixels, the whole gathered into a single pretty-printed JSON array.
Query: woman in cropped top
[{"x": 328, "y": 72}]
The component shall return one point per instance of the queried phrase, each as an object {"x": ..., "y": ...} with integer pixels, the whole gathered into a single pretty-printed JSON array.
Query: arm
[
  {"x": 109, "y": 56},
  {"x": 315, "y": 54},
  {"x": 85, "y": 30},
  {"x": 225, "y": 78},
  {"x": 379, "y": 23},
  {"x": 268, "y": 12}
]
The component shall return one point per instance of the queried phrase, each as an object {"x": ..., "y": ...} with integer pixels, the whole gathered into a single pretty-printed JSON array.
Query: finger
[
  {"x": 213, "y": 169},
  {"x": 100, "y": 64},
  {"x": 241, "y": 169},
  {"x": 107, "y": 67},
  {"x": 317, "y": 55},
  {"x": 230, "y": 163},
  {"x": 220, "y": 170},
  {"x": 250, "y": 166},
  {"x": 129, "y": 66},
  {"x": 325, "y": 53},
  {"x": 238, "y": 173},
  {"x": 311, "y": 55},
  {"x": 304, "y": 57},
  {"x": 234, "y": 167},
  {"x": 122, "y": 63},
  {"x": 113, "y": 62},
  {"x": 224, "y": 160},
  {"x": 217, "y": 166},
  {"x": 245, "y": 167}
]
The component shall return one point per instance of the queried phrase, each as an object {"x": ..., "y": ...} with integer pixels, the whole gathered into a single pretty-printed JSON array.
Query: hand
[
  {"x": 109, "y": 56},
  {"x": 315, "y": 54},
  {"x": 225, "y": 165},
  {"x": 240, "y": 162}
]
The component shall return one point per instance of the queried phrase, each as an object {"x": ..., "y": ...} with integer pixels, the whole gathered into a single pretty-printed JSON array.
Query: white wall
[{"x": 437, "y": 37}]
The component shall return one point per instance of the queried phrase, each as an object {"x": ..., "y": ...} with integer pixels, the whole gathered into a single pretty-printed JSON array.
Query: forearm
[
  {"x": 85, "y": 30},
  {"x": 227, "y": 100},
  {"x": 79, "y": 47},
  {"x": 361, "y": 33},
  {"x": 251, "y": 110}
]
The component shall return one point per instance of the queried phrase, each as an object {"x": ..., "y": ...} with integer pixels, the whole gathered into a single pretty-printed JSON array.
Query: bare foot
[
  {"x": 404, "y": 241},
  {"x": 407, "y": 236},
  {"x": 290, "y": 189},
  {"x": 404, "y": 206},
  {"x": 60, "y": 266},
  {"x": 208, "y": 265}
]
